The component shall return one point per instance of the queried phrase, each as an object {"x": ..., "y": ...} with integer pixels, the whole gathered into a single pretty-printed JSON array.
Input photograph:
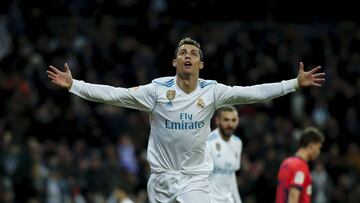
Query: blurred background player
[
  {"x": 294, "y": 178},
  {"x": 225, "y": 150}
]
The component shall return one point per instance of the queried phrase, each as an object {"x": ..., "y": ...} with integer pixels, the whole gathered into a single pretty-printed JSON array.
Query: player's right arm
[
  {"x": 140, "y": 98},
  {"x": 294, "y": 194}
]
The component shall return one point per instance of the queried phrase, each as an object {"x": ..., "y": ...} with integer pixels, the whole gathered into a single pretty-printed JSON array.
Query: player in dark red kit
[{"x": 294, "y": 178}]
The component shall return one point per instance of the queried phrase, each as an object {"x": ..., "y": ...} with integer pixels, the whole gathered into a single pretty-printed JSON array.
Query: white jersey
[
  {"x": 180, "y": 122},
  {"x": 226, "y": 156}
]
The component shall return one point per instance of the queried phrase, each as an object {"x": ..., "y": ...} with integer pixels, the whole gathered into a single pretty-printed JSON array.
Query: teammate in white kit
[
  {"x": 225, "y": 150},
  {"x": 180, "y": 109}
]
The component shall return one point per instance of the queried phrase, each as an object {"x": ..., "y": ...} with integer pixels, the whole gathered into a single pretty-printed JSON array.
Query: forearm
[
  {"x": 293, "y": 200},
  {"x": 235, "y": 191},
  {"x": 264, "y": 92},
  {"x": 97, "y": 93},
  {"x": 257, "y": 93},
  {"x": 294, "y": 195}
]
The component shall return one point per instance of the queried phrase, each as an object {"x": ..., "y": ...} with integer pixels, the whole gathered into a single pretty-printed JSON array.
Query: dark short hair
[
  {"x": 225, "y": 108},
  {"x": 188, "y": 40},
  {"x": 311, "y": 135}
]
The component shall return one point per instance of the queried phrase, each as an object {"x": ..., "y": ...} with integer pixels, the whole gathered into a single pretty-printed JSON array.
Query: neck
[
  {"x": 187, "y": 84},
  {"x": 302, "y": 154}
]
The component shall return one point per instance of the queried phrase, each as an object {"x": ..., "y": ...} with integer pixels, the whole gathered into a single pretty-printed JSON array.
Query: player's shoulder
[
  {"x": 295, "y": 162},
  {"x": 206, "y": 83},
  {"x": 236, "y": 139},
  {"x": 164, "y": 81},
  {"x": 214, "y": 135}
]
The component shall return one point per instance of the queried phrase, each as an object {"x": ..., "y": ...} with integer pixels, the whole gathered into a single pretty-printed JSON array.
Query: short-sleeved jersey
[
  {"x": 180, "y": 122},
  {"x": 226, "y": 156},
  {"x": 294, "y": 172}
]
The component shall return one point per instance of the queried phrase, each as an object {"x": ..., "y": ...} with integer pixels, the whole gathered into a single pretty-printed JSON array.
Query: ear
[
  {"x": 310, "y": 146},
  {"x": 217, "y": 120},
  {"x": 201, "y": 65},
  {"x": 174, "y": 62}
]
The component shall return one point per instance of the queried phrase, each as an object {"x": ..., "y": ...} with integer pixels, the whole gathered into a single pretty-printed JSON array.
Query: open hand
[
  {"x": 63, "y": 79},
  {"x": 310, "y": 78}
]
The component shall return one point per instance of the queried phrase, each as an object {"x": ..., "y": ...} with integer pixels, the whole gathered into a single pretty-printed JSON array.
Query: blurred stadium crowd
[{"x": 55, "y": 147}]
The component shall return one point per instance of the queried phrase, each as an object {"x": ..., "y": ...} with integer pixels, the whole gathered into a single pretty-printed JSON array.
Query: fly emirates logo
[{"x": 186, "y": 123}]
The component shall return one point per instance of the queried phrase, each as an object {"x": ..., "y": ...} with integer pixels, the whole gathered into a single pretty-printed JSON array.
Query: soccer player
[
  {"x": 180, "y": 110},
  {"x": 225, "y": 150},
  {"x": 294, "y": 178}
]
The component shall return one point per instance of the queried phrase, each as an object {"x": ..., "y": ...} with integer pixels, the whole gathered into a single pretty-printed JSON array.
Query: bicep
[
  {"x": 140, "y": 98},
  {"x": 226, "y": 95}
]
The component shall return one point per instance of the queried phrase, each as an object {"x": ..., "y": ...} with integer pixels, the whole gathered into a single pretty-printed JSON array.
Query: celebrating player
[{"x": 180, "y": 109}]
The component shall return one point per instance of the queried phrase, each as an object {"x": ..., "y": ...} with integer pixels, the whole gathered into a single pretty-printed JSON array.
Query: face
[
  {"x": 188, "y": 60},
  {"x": 227, "y": 122},
  {"x": 314, "y": 150}
]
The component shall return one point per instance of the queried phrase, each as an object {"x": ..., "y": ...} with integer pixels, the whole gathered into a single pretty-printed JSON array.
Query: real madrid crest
[
  {"x": 200, "y": 103},
  {"x": 170, "y": 94},
  {"x": 218, "y": 146}
]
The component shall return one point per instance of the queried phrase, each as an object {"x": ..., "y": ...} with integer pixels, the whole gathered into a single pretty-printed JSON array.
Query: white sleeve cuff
[
  {"x": 290, "y": 85},
  {"x": 76, "y": 86}
]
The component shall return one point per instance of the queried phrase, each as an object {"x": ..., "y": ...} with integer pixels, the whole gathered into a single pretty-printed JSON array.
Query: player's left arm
[
  {"x": 310, "y": 78},
  {"x": 235, "y": 190},
  {"x": 297, "y": 181},
  {"x": 294, "y": 194},
  {"x": 226, "y": 95},
  {"x": 240, "y": 145}
]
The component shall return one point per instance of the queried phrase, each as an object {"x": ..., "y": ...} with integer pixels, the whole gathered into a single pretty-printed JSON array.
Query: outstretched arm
[
  {"x": 310, "y": 78},
  {"x": 62, "y": 79},
  {"x": 226, "y": 95},
  {"x": 141, "y": 98}
]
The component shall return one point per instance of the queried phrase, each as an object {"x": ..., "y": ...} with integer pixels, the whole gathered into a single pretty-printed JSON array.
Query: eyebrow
[{"x": 196, "y": 50}]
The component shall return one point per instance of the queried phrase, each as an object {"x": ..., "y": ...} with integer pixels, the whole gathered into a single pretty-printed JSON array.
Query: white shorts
[{"x": 175, "y": 187}]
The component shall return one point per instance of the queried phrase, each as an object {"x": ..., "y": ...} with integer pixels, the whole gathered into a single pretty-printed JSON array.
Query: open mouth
[{"x": 188, "y": 63}]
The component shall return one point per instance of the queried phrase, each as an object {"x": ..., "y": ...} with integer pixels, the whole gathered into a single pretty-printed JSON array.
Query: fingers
[
  {"x": 319, "y": 80},
  {"x": 51, "y": 73},
  {"x": 319, "y": 75},
  {"x": 301, "y": 66},
  {"x": 66, "y": 66},
  {"x": 52, "y": 77},
  {"x": 55, "y": 70},
  {"x": 315, "y": 69},
  {"x": 316, "y": 84}
]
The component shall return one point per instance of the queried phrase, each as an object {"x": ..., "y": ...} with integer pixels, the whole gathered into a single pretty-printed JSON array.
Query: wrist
[
  {"x": 297, "y": 84},
  {"x": 70, "y": 85}
]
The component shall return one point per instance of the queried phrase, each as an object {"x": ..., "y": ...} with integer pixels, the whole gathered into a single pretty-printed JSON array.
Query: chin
[{"x": 228, "y": 135}]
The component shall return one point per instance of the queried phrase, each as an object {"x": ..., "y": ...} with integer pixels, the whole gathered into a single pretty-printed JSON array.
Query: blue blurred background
[{"x": 55, "y": 147}]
